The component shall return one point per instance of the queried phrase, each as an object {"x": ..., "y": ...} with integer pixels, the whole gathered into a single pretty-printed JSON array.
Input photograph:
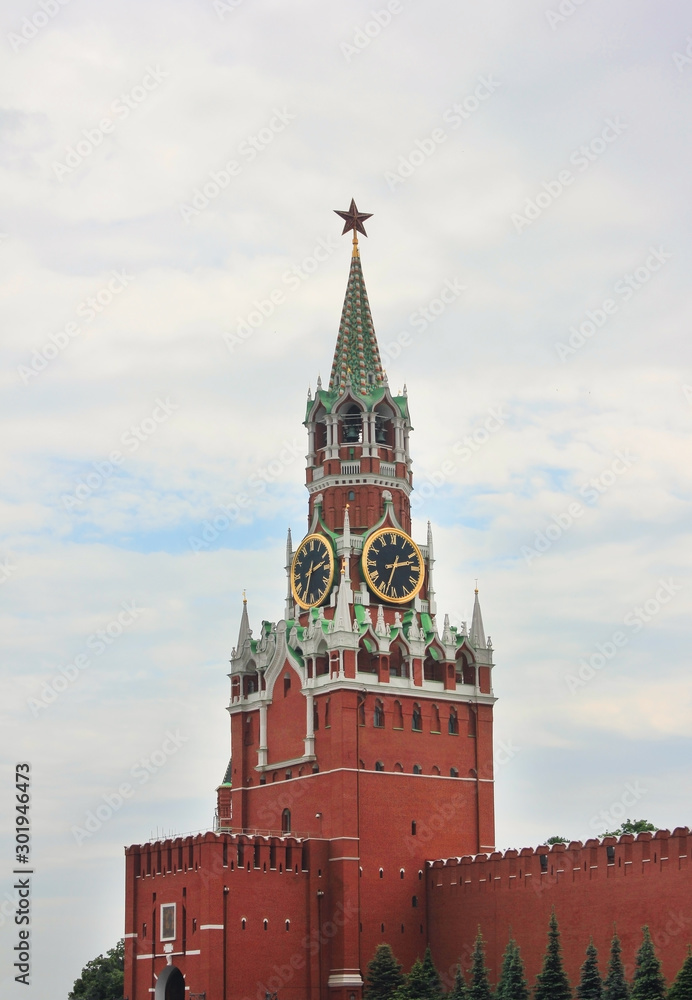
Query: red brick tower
[{"x": 355, "y": 722}]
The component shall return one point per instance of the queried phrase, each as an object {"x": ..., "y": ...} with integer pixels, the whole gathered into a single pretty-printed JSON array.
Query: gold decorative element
[
  {"x": 383, "y": 588},
  {"x": 320, "y": 555}
]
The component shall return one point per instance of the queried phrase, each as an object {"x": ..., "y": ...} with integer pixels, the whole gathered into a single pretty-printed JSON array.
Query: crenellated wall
[{"x": 625, "y": 882}]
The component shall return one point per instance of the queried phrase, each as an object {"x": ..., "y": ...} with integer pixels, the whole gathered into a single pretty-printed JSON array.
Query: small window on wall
[
  {"x": 417, "y": 719},
  {"x": 167, "y": 922},
  {"x": 287, "y": 684},
  {"x": 417, "y": 769},
  {"x": 453, "y": 727},
  {"x": 472, "y": 721},
  {"x": 286, "y": 821},
  {"x": 454, "y": 772},
  {"x": 315, "y": 717},
  {"x": 379, "y": 766},
  {"x": 379, "y": 715},
  {"x": 351, "y": 494}
]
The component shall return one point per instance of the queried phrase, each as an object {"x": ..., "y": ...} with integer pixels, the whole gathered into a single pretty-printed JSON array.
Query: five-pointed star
[{"x": 353, "y": 219}]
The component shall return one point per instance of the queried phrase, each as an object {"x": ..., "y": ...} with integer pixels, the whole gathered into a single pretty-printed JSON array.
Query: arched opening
[
  {"x": 417, "y": 718},
  {"x": 417, "y": 769},
  {"x": 367, "y": 662},
  {"x": 287, "y": 684},
  {"x": 170, "y": 985},
  {"x": 378, "y": 718},
  {"x": 384, "y": 428},
  {"x": 286, "y": 821},
  {"x": 398, "y": 666},
  {"x": 399, "y": 767},
  {"x": 472, "y": 721},
  {"x": 361, "y": 712},
  {"x": 453, "y": 724},
  {"x": 466, "y": 671},
  {"x": 454, "y": 772},
  {"x": 433, "y": 669},
  {"x": 250, "y": 683},
  {"x": 397, "y": 716},
  {"x": 320, "y": 435},
  {"x": 321, "y": 664},
  {"x": 435, "y": 719},
  {"x": 351, "y": 425},
  {"x": 379, "y": 766}
]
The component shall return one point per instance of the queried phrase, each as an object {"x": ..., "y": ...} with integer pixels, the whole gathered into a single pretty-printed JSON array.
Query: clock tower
[{"x": 359, "y": 725}]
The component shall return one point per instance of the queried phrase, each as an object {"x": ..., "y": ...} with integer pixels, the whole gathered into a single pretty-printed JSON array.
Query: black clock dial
[
  {"x": 312, "y": 571},
  {"x": 392, "y": 565}
]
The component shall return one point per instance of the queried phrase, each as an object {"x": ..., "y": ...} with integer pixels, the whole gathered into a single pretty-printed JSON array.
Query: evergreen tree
[
  {"x": 458, "y": 991},
  {"x": 590, "y": 986},
  {"x": 681, "y": 988},
  {"x": 615, "y": 986},
  {"x": 384, "y": 975},
  {"x": 479, "y": 984},
  {"x": 552, "y": 982},
  {"x": 102, "y": 978},
  {"x": 506, "y": 971},
  {"x": 423, "y": 981},
  {"x": 648, "y": 983},
  {"x": 517, "y": 988}
]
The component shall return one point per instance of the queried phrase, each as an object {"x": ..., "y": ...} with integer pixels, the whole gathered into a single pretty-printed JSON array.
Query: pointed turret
[
  {"x": 245, "y": 632},
  {"x": 289, "y": 560},
  {"x": 477, "y": 632},
  {"x": 357, "y": 353}
]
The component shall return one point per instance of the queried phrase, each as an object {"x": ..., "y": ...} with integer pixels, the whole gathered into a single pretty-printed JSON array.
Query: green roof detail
[{"x": 357, "y": 356}]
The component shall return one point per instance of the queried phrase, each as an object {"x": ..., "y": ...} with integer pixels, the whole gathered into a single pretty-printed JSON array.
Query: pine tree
[
  {"x": 552, "y": 982},
  {"x": 615, "y": 986},
  {"x": 648, "y": 983},
  {"x": 506, "y": 971},
  {"x": 458, "y": 991},
  {"x": 384, "y": 975},
  {"x": 517, "y": 988},
  {"x": 423, "y": 981},
  {"x": 681, "y": 988},
  {"x": 590, "y": 986},
  {"x": 479, "y": 984}
]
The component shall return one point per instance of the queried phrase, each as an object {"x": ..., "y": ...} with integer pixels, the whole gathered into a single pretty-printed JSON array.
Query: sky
[{"x": 172, "y": 281}]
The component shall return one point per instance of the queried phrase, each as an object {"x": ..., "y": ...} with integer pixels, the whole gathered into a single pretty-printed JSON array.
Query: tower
[{"x": 357, "y": 725}]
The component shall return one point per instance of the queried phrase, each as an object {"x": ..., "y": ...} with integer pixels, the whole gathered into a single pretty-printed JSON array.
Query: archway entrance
[{"x": 170, "y": 985}]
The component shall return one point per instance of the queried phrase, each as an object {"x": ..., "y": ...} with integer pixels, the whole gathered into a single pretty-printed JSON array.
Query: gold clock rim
[
  {"x": 330, "y": 552},
  {"x": 366, "y": 572}
]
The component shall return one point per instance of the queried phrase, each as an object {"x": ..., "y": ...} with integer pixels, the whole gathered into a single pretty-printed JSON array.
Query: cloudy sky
[{"x": 172, "y": 279}]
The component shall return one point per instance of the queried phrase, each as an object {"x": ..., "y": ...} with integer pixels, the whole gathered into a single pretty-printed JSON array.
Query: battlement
[
  {"x": 611, "y": 857},
  {"x": 219, "y": 851}
]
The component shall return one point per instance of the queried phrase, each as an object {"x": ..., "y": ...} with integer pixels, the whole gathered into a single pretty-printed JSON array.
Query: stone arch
[
  {"x": 170, "y": 985},
  {"x": 350, "y": 417},
  {"x": 384, "y": 425}
]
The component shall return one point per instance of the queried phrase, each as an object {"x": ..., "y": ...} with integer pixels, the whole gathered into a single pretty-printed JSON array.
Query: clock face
[
  {"x": 312, "y": 571},
  {"x": 393, "y": 565}
]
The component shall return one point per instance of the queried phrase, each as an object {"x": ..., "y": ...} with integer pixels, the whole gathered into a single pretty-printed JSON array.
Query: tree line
[{"x": 386, "y": 981}]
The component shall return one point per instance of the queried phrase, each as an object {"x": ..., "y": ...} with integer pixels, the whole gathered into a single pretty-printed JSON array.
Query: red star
[{"x": 353, "y": 219}]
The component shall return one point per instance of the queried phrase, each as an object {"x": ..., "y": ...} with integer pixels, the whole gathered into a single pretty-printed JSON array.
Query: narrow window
[
  {"x": 351, "y": 494},
  {"x": 379, "y": 714},
  {"x": 544, "y": 862},
  {"x": 287, "y": 684},
  {"x": 379, "y": 766},
  {"x": 417, "y": 769},
  {"x": 361, "y": 713},
  {"x": 435, "y": 720},
  {"x": 381, "y": 872},
  {"x": 315, "y": 717},
  {"x": 266, "y": 925},
  {"x": 414, "y": 901},
  {"x": 417, "y": 719},
  {"x": 472, "y": 721},
  {"x": 243, "y": 924},
  {"x": 288, "y": 925},
  {"x": 413, "y": 828},
  {"x": 326, "y": 715},
  {"x": 453, "y": 723},
  {"x": 453, "y": 772},
  {"x": 401, "y": 873},
  {"x": 286, "y": 821}
]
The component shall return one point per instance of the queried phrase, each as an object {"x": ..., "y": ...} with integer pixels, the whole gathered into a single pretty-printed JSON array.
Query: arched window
[
  {"x": 250, "y": 684},
  {"x": 381, "y": 872},
  {"x": 286, "y": 821},
  {"x": 326, "y": 715},
  {"x": 435, "y": 719},
  {"x": 417, "y": 718},
  {"x": 379, "y": 766},
  {"x": 397, "y": 664},
  {"x": 466, "y": 671},
  {"x": 266, "y": 925},
  {"x": 401, "y": 873},
  {"x": 249, "y": 731},
  {"x": 399, "y": 767},
  {"x": 472, "y": 721},
  {"x": 352, "y": 425},
  {"x": 320, "y": 435},
  {"x": 454, "y": 772},
  {"x": 315, "y": 716},
  {"x": 288, "y": 925},
  {"x": 435, "y": 769},
  {"x": 417, "y": 769},
  {"x": 397, "y": 716},
  {"x": 351, "y": 495},
  {"x": 433, "y": 670},
  {"x": 361, "y": 712},
  {"x": 379, "y": 714},
  {"x": 453, "y": 725},
  {"x": 243, "y": 924},
  {"x": 287, "y": 684}
]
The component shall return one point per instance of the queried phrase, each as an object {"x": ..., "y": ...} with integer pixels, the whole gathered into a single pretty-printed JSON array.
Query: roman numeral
[{"x": 413, "y": 581}]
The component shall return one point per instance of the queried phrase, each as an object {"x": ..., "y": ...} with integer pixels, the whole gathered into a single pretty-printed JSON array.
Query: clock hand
[{"x": 393, "y": 566}]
